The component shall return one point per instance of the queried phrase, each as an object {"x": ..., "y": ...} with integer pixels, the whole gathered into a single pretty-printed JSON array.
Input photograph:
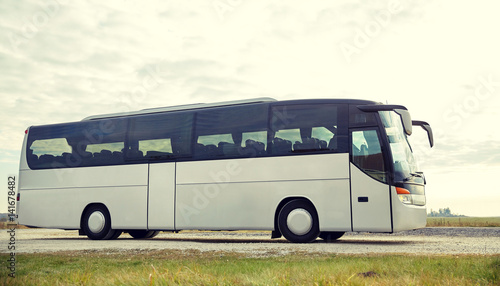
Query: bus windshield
[{"x": 405, "y": 165}]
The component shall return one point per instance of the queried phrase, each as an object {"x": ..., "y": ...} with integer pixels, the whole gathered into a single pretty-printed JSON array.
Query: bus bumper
[{"x": 405, "y": 216}]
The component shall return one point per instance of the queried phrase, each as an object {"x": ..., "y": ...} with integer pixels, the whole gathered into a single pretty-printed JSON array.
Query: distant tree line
[{"x": 446, "y": 212}]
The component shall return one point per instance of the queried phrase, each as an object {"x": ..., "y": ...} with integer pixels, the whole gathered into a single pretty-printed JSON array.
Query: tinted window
[
  {"x": 55, "y": 147},
  {"x": 367, "y": 154},
  {"x": 361, "y": 118},
  {"x": 238, "y": 131},
  {"x": 87, "y": 143},
  {"x": 308, "y": 128},
  {"x": 160, "y": 136}
]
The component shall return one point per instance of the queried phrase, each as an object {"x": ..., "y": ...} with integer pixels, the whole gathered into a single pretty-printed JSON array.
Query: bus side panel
[
  {"x": 56, "y": 198},
  {"x": 252, "y": 205},
  {"x": 86, "y": 177},
  {"x": 244, "y": 194},
  {"x": 161, "y": 196},
  {"x": 264, "y": 169},
  {"x": 407, "y": 217},
  {"x": 62, "y": 208}
]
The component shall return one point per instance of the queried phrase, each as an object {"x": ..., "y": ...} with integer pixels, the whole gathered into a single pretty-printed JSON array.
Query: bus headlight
[
  {"x": 406, "y": 199},
  {"x": 404, "y": 195}
]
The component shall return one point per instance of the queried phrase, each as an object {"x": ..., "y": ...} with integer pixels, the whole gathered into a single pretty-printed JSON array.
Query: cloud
[{"x": 447, "y": 155}]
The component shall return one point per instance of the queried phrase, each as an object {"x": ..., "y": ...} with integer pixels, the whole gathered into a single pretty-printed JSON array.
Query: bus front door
[{"x": 370, "y": 194}]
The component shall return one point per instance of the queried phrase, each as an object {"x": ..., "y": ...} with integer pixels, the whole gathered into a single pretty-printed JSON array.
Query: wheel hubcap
[
  {"x": 96, "y": 222},
  {"x": 299, "y": 221}
]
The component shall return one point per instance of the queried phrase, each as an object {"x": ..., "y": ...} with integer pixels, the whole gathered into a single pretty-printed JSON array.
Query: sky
[{"x": 62, "y": 61}]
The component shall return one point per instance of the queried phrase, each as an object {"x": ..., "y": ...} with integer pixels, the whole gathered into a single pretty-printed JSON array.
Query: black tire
[
  {"x": 155, "y": 233},
  {"x": 298, "y": 221},
  {"x": 143, "y": 233},
  {"x": 331, "y": 235},
  {"x": 96, "y": 223},
  {"x": 117, "y": 234}
]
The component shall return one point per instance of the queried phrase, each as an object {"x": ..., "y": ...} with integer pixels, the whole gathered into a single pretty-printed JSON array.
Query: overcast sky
[{"x": 62, "y": 61}]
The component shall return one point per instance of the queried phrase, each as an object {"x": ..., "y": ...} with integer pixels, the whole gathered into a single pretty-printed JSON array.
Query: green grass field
[
  {"x": 463, "y": 222},
  {"x": 192, "y": 267}
]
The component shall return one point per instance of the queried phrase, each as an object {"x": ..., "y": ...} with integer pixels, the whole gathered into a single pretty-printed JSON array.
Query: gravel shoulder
[{"x": 483, "y": 241}]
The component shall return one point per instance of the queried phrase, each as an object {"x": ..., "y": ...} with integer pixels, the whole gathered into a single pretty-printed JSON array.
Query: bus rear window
[
  {"x": 48, "y": 153},
  {"x": 77, "y": 144}
]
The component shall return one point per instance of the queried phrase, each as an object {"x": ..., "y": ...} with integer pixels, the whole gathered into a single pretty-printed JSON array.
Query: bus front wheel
[
  {"x": 96, "y": 223},
  {"x": 298, "y": 221}
]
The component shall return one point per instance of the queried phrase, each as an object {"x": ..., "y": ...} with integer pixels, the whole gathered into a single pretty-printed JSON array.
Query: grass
[
  {"x": 463, "y": 222},
  {"x": 5, "y": 225},
  {"x": 192, "y": 267}
]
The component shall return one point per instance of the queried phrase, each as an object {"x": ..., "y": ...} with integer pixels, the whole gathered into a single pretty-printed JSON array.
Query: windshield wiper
[
  {"x": 417, "y": 174},
  {"x": 407, "y": 178}
]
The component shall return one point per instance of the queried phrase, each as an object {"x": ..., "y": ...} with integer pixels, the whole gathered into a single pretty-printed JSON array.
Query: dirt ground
[{"x": 484, "y": 241}]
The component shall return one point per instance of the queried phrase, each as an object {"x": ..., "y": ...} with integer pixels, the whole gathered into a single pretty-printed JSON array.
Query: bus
[{"x": 301, "y": 169}]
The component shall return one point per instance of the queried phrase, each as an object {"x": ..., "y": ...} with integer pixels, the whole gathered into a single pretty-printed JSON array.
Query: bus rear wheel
[
  {"x": 298, "y": 221},
  {"x": 143, "y": 233},
  {"x": 96, "y": 223}
]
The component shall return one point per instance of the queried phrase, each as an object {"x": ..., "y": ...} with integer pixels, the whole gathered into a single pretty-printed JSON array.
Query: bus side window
[
  {"x": 254, "y": 143},
  {"x": 48, "y": 153},
  {"x": 231, "y": 132},
  {"x": 309, "y": 128},
  {"x": 156, "y": 148},
  {"x": 367, "y": 154},
  {"x": 159, "y": 137}
]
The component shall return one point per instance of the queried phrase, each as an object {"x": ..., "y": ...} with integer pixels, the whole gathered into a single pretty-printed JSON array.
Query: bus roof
[
  {"x": 229, "y": 103},
  {"x": 182, "y": 107}
]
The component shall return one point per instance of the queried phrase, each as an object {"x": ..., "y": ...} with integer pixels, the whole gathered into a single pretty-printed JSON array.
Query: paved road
[{"x": 425, "y": 241}]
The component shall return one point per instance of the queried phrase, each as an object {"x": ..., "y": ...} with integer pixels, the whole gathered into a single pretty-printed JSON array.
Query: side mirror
[
  {"x": 427, "y": 127},
  {"x": 406, "y": 119}
]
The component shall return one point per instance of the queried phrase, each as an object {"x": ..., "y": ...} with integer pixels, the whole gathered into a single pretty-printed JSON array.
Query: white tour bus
[{"x": 298, "y": 168}]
